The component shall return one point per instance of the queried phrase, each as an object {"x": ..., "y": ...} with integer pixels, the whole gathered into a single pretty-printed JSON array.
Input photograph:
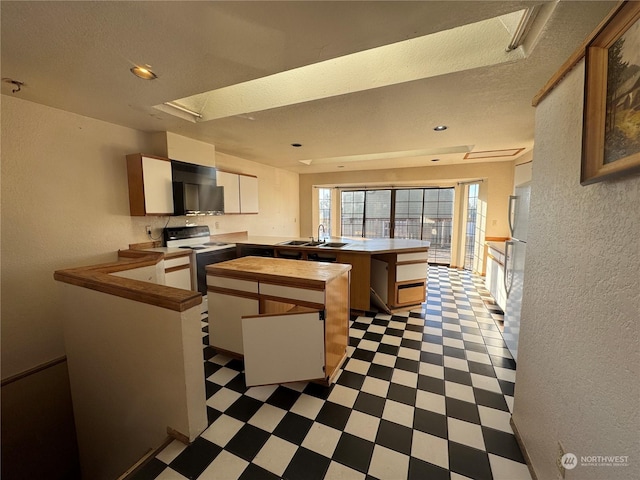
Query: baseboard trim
[
  {"x": 34, "y": 370},
  {"x": 523, "y": 449}
]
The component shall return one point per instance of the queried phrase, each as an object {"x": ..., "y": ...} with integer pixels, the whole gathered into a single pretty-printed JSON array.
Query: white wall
[{"x": 579, "y": 355}]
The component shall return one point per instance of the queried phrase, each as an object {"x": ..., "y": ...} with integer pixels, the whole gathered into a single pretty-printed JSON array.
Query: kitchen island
[
  {"x": 396, "y": 269},
  {"x": 288, "y": 319}
]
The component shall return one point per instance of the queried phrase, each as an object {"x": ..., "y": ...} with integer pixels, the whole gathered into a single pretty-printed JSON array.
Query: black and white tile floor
[{"x": 424, "y": 394}]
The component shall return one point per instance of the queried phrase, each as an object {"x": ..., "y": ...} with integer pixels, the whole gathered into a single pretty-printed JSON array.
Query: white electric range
[{"x": 204, "y": 251}]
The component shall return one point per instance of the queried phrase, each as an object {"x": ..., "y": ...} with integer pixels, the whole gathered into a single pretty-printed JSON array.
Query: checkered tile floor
[{"x": 424, "y": 394}]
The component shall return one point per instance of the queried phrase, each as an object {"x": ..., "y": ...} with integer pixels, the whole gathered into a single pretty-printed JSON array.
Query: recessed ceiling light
[
  {"x": 143, "y": 72},
  {"x": 440, "y": 128},
  {"x": 296, "y": 145}
]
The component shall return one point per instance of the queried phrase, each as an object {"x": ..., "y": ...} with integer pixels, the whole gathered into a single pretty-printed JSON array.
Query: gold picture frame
[{"x": 611, "y": 126}]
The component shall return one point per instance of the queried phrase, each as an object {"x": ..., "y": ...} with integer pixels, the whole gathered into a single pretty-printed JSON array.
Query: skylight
[{"x": 463, "y": 48}]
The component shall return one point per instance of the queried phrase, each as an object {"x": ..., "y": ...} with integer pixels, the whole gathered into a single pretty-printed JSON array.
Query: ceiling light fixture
[
  {"x": 144, "y": 73},
  {"x": 440, "y": 128},
  {"x": 184, "y": 109}
]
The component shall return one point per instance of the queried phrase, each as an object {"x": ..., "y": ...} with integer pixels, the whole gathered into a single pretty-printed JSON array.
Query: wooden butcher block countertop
[{"x": 279, "y": 270}]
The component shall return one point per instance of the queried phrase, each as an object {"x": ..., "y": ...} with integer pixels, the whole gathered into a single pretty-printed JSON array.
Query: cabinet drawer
[
  {"x": 293, "y": 293},
  {"x": 411, "y": 293},
  {"x": 411, "y": 257},
  {"x": 176, "y": 262},
  {"x": 232, "y": 284},
  {"x": 412, "y": 271}
]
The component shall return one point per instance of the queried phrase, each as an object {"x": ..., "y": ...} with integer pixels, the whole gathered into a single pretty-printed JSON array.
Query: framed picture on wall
[{"x": 611, "y": 128}]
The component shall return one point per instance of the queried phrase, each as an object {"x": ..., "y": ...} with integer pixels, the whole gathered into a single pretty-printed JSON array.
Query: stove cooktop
[{"x": 195, "y": 237}]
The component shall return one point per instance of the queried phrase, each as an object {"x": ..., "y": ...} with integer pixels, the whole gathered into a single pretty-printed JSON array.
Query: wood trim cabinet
[
  {"x": 150, "y": 185},
  {"x": 288, "y": 319},
  {"x": 240, "y": 192},
  {"x": 400, "y": 279}
]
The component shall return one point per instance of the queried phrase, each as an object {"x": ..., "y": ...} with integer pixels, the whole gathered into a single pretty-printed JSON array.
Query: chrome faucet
[{"x": 319, "y": 237}]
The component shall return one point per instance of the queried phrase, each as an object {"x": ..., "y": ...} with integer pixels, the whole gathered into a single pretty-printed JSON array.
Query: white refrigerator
[{"x": 515, "y": 252}]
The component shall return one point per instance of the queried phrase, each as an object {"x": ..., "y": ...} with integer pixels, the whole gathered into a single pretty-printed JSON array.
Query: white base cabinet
[
  {"x": 270, "y": 357},
  {"x": 177, "y": 272},
  {"x": 225, "y": 320},
  {"x": 494, "y": 279}
]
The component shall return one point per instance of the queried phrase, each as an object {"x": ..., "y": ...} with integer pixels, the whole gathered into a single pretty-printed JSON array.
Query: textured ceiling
[{"x": 76, "y": 56}]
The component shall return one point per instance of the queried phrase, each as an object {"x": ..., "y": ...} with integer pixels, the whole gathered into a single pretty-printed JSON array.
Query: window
[
  {"x": 417, "y": 213},
  {"x": 352, "y": 216},
  {"x": 437, "y": 223},
  {"x": 377, "y": 210},
  {"x": 408, "y": 215},
  {"x": 324, "y": 209},
  {"x": 475, "y": 228},
  {"x": 472, "y": 203}
]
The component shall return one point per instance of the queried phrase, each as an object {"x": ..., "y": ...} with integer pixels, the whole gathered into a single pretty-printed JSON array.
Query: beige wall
[
  {"x": 136, "y": 370},
  {"x": 278, "y": 197},
  {"x": 498, "y": 181},
  {"x": 579, "y": 356},
  {"x": 65, "y": 203}
]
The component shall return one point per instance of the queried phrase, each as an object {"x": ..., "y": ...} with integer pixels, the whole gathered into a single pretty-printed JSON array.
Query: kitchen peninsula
[
  {"x": 396, "y": 269},
  {"x": 134, "y": 353}
]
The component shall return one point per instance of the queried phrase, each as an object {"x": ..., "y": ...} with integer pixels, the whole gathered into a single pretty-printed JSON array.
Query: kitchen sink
[
  {"x": 313, "y": 243},
  {"x": 333, "y": 244}
]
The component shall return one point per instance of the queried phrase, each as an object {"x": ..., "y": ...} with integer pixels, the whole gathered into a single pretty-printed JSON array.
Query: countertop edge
[{"x": 97, "y": 277}]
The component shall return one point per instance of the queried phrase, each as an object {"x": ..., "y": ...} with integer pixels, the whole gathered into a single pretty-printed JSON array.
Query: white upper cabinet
[
  {"x": 522, "y": 174},
  {"x": 240, "y": 192},
  {"x": 231, "y": 185},
  {"x": 248, "y": 194},
  {"x": 150, "y": 185}
]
